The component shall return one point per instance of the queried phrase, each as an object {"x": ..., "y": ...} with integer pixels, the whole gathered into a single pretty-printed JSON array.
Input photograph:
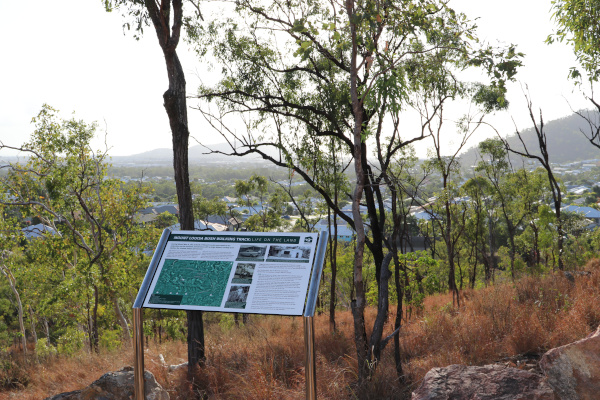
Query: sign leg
[
  {"x": 310, "y": 369},
  {"x": 138, "y": 351}
]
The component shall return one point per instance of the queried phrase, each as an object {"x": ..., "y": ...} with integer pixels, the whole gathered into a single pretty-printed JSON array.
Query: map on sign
[
  {"x": 187, "y": 282},
  {"x": 263, "y": 273}
]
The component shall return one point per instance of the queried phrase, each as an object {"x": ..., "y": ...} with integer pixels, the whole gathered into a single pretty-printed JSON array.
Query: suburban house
[
  {"x": 344, "y": 232},
  {"x": 589, "y": 213}
]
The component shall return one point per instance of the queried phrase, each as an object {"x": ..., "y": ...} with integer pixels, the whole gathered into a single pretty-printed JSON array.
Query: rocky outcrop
[
  {"x": 116, "y": 386},
  {"x": 570, "y": 372},
  {"x": 490, "y": 382},
  {"x": 573, "y": 370}
]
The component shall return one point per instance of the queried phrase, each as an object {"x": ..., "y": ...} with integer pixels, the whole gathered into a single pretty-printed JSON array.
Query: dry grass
[{"x": 265, "y": 358}]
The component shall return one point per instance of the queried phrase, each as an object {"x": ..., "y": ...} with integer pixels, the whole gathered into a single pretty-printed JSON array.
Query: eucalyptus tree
[
  {"x": 337, "y": 187},
  {"x": 403, "y": 183},
  {"x": 330, "y": 168},
  {"x": 506, "y": 187},
  {"x": 443, "y": 212},
  {"x": 167, "y": 18},
  {"x": 264, "y": 218},
  {"x": 204, "y": 208},
  {"x": 537, "y": 194},
  {"x": 479, "y": 226},
  {"x": 9, "y": 257},
  {"x": 542, "y": 156},
  {"x": 64, "y": 183},
  {"x": 299, "y": 72}
]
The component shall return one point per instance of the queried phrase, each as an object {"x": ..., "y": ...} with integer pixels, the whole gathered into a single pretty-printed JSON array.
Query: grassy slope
[{"x": 264, "y": 360}]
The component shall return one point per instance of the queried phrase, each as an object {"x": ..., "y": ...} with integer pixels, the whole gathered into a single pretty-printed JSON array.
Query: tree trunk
[
  {"x": 176, "y": 108},
  {"x": 195, "y": 341},
  {"x": 333, "y": 263},
  {"x": 121, "y": 319},
  {"x": 359, "y": 302},
  {"x": 46, "y": 329},
  {"x": 398, "y": 321},
  {"x": 13, "y": 286},
  {"x": 94, "y": 338},
  {"x": 32, "y": 321},
  {"x": 375, "y": 343}
]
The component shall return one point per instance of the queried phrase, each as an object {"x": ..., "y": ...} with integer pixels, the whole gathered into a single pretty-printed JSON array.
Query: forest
[{"x": 436, "y": 245}]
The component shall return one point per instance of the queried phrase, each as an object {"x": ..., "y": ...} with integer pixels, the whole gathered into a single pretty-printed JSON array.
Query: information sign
[{"x": 257, "y": 273}]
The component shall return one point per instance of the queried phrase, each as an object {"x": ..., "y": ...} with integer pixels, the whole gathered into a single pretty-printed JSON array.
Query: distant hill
[
  {"x": 196, "y": 156},
  {"x": 566, "y": 143}
]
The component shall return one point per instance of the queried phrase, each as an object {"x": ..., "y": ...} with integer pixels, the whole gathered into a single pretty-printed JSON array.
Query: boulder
[
  {"x": 489, "y": 382},
  {"x": 573, "y": 370},
  {"x": 116, "y": 386}
]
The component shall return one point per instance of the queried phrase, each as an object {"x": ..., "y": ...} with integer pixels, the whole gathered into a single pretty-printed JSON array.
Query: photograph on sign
[{"x": 264, "y": 273}]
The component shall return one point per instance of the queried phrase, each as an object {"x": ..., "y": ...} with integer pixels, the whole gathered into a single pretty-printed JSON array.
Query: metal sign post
[
  {"x": 157, "y": 290},
  {"x": 310, "y": 368},
  {"x": 138, "y": 319}
]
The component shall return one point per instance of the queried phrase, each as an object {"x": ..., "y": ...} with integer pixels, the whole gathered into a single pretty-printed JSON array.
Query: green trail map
[{"x": 195, "y": 283}]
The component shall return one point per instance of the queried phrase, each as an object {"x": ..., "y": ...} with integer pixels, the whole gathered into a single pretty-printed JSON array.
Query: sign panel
[{"x": 258, "y": 273}]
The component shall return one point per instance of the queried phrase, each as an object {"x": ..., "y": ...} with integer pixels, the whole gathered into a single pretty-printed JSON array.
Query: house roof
[
  {"x": 170, "y": 208},
  {"x": 38, "y": 230},
  {"x": 588, "y": 212},
  {"x": 423, "y": 215},
  {"x": 578, "y": 189},
  {"x": 201, "y": 226},
  {"x": 145, "y": 218}
]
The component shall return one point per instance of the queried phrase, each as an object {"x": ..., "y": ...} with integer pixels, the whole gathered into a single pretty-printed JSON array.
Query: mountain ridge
[
  {"x": 566, "y": 143},
  {"x": 565, "y": 140}
]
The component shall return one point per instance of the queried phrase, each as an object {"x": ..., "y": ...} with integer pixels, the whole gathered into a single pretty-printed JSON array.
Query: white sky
[{"x": 73, "y": 55}]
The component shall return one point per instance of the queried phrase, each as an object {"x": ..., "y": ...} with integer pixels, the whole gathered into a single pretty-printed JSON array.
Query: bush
[
  {"x": 44, "y": 349},
  {"x": 71, "y": 341},
  {"x": 110, "y": 339}
]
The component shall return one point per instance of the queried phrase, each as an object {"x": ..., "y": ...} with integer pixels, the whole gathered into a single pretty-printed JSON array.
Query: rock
[
  {"x": 573, "y": 370},
  {"x": 116, "y": 386},
  {"x": 74, "y": 395},
  {"x": 177, "y": 367},
  {"x": 570, "y": 275},
  {"x": 490, "y": 382}
]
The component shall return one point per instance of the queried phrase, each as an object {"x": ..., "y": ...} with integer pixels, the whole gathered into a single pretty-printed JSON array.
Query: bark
[
  {"x": 13, "y": 286},
  {"x": 121, "y": 319},
  {"x": 491, "y": 264},
  {"x": 359, "y": 302},
  {"x": 375, "y": 343},
  {"x": 450, "y": 249},
  {"x": 333, "y": 263},
  {"x": 176, "y": 108},
  {"x": 32, "y": 321},
  {"x": 195, "y": 341},
  {"x": 46, "y": 329},
  {"x": 94, "y": 338},
  {"x": 398, "y": 321}
]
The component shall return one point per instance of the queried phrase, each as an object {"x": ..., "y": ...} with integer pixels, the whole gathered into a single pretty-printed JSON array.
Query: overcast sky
[{"x": 74, "y": 56}]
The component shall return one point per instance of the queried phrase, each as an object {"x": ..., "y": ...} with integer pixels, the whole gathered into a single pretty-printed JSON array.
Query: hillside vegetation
[{"x": 507, "y": 323}]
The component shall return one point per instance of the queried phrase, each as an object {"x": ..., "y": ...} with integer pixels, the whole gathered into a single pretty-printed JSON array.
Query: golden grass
[{"x": 265, "y": 358}]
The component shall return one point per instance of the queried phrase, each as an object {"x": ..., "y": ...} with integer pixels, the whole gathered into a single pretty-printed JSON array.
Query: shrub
[
  {"x": 44, "y": 349},
  {"x": 110, "y": 339},
  {"x": 71, "y": 341}
]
